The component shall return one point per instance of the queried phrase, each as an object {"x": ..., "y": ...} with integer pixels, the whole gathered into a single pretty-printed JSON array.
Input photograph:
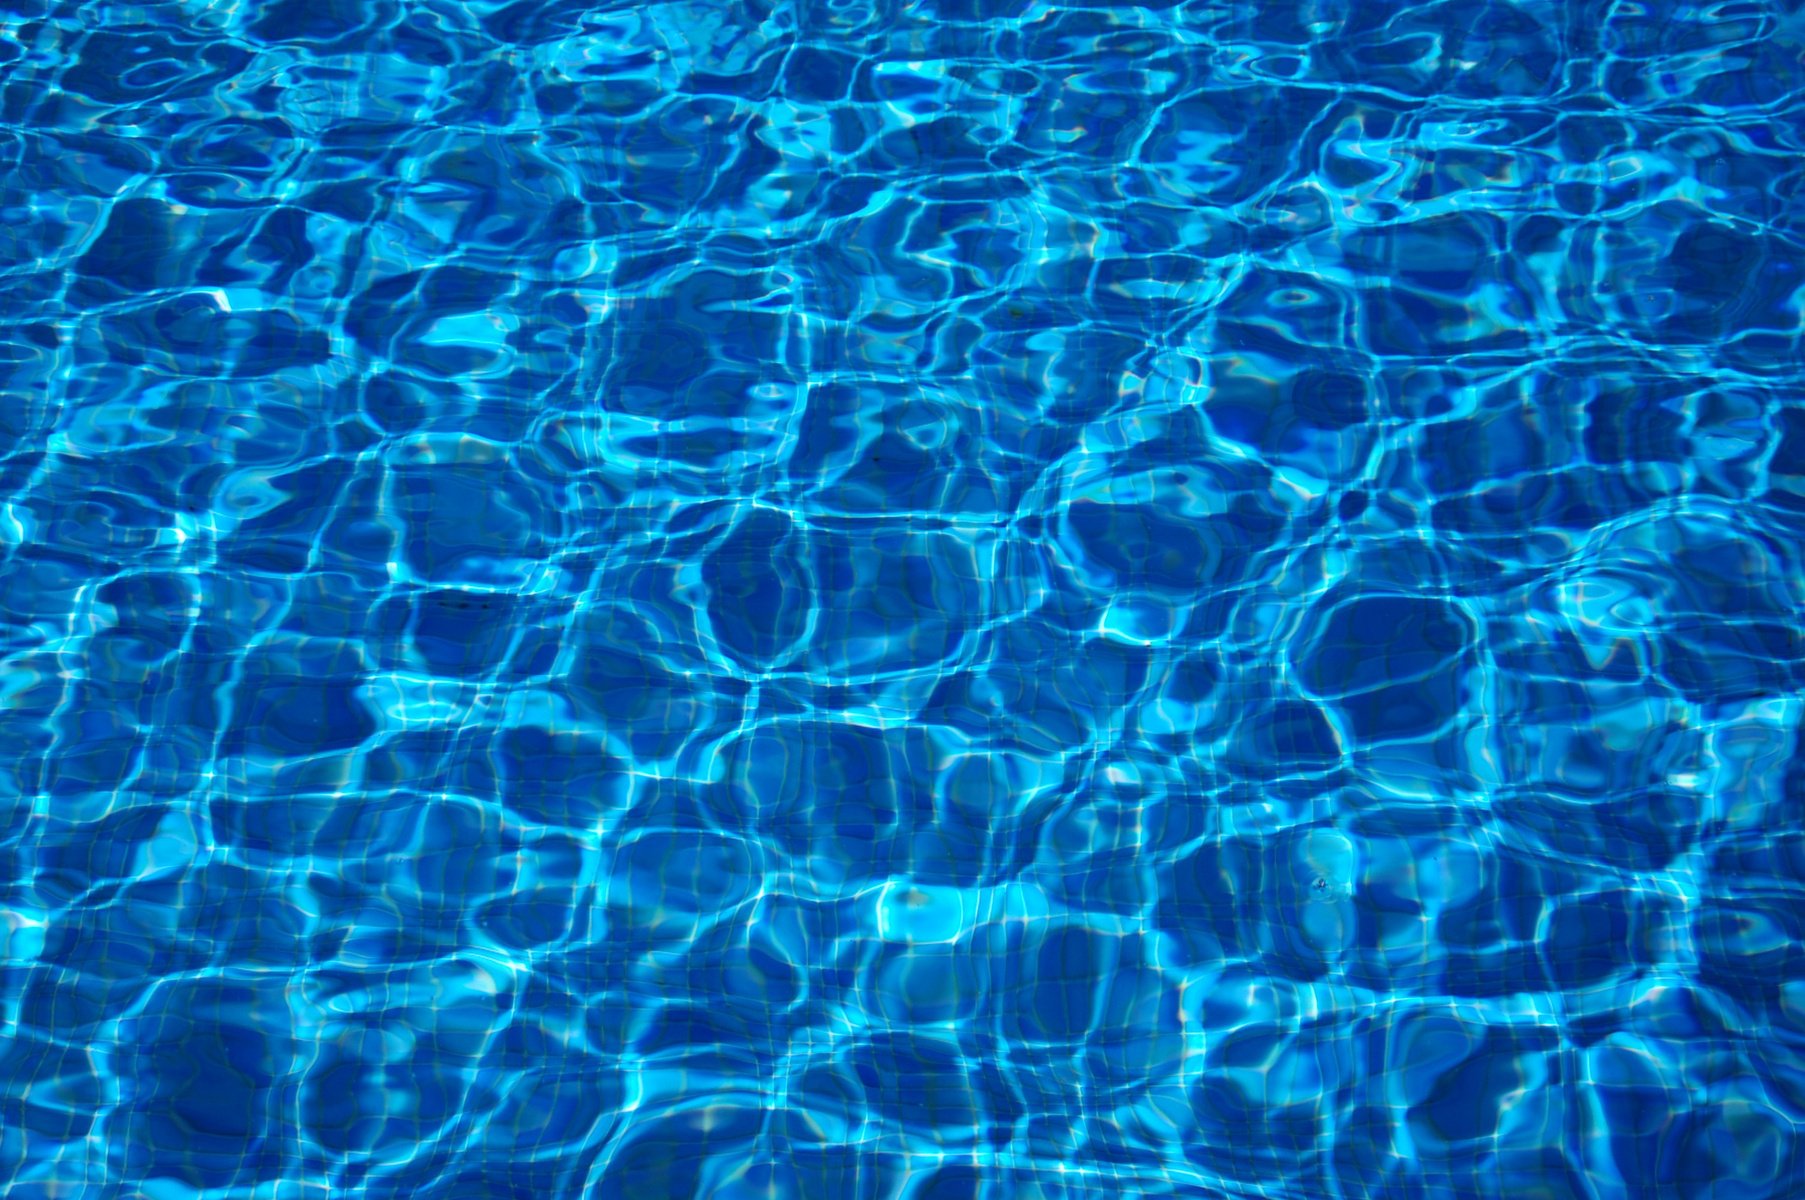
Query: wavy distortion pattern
[{"x": 934, "y": 600}]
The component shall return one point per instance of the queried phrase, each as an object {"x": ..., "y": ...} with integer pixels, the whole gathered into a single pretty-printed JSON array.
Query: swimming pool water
[{"x": 936, "y": 600}]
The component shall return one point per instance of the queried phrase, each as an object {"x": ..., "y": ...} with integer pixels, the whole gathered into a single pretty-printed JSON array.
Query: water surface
[{"x": 918, "y": 600}]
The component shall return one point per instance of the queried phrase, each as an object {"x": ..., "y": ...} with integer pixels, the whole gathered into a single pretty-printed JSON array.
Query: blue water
[{"x": 902, "y": 600}]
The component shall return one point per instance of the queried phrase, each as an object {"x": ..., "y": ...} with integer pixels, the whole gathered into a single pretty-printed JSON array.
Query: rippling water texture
[{"x": 902, "y": 600}]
